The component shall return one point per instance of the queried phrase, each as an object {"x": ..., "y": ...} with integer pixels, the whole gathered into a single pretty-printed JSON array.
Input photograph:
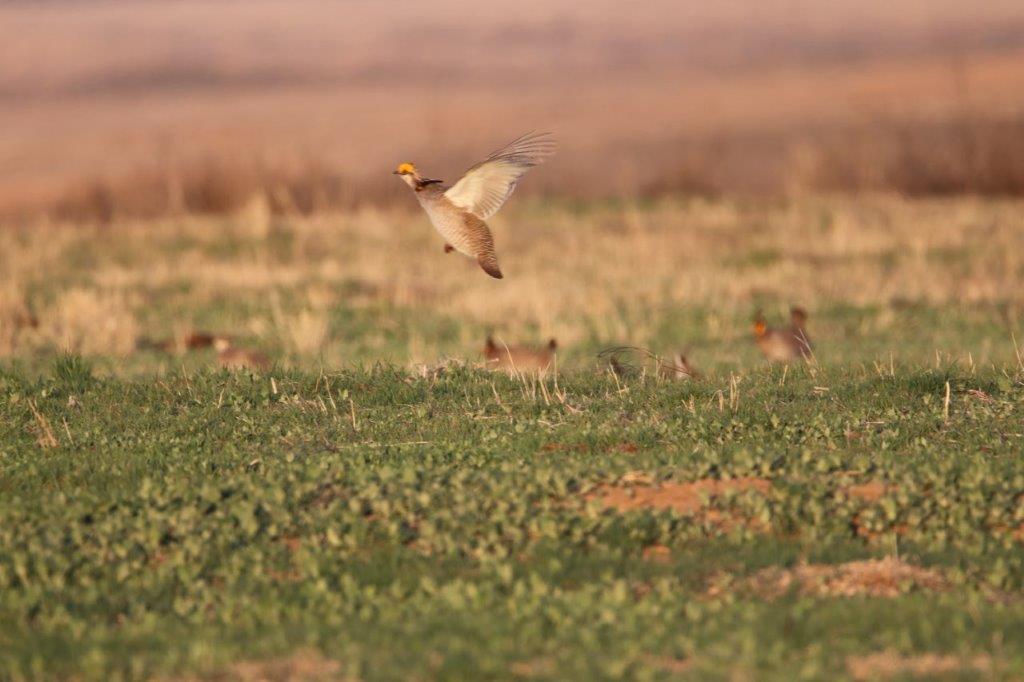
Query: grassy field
[
  {"x": 377, "y": 506},
  {"x": 372, "y": 502},
  {"x": 881, "y": 277},
  {"x": 467, "y": 526}
]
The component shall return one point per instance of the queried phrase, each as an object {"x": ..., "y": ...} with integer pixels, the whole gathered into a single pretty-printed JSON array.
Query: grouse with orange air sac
[{"x": 458, "y": 212}]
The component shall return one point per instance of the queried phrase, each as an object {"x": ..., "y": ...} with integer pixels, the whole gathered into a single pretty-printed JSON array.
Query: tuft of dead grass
[
  {"x": 44, "y": 432},
  {"x": 91, "y": 322},
  {"x": 16, "y": 318},
  {"x": 306, "y": 331}
]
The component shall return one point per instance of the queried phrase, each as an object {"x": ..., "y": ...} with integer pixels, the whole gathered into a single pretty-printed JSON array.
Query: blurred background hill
[{"x": 133, "y": 109}]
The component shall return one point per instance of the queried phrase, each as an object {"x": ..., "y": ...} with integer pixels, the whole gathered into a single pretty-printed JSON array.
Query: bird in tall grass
[
  {"x": 195, "y": 340},
  {"x": 679, "y": 369},
  {"x": 785, "y": 344},
  {"x": 232, "y": 357},
  {"x": 517, "y": 359},
  {"x": 458, "y": 212}
]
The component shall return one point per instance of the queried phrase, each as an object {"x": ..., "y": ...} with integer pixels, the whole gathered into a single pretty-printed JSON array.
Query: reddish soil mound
[
  {"x": 872, "y": 491},
  {"x": 685, "y": 498},
  {"x": 888, "y": 577},
  {"x": 304, "y": 665}
]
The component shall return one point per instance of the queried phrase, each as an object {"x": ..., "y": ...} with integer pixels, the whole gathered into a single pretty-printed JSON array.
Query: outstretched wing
[{"x": 487, "y": 185}]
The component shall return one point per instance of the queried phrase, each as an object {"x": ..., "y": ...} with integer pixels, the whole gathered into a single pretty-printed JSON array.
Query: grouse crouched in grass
[
  {"x": 786, "y": 344},
  {"x": 514, "y": 359}
]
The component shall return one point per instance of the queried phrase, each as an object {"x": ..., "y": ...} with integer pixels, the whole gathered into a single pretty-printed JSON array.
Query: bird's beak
[{"x": 395, "y": 173}]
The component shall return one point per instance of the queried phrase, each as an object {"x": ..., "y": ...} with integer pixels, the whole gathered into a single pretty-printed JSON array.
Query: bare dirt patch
[
  {"x": 684, "y": 498},
  {"x": 564, "y": 447},
  {"x": 872, "y": 491},
  {"x": 303, "y": 666},
  {"x": 538, "y": 667},
  {"x": 887, "y": 664},
  {"x": 657, "y": 553},
  {"x": 888, "y": 577},
  {"x": 668, "y": 664}
]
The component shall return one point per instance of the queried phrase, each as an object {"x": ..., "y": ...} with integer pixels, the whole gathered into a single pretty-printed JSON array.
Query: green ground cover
[{"x": 463, "y": 525}]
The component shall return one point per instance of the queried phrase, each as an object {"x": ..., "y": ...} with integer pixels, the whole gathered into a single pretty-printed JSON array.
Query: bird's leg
[{"x": 448, "y": 248}]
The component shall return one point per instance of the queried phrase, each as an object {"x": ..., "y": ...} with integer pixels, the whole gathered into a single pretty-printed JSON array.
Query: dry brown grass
[
  {"x": 720, "y": 256},
  {"x": 44, "y": 432},
  {"x": 911, "y": 157},
  {"x": 92, "y": 322},
  {"x": 305, "y": 330},
  {"x": 202, "y": 106},
  {"x": 16, "y": 318}
]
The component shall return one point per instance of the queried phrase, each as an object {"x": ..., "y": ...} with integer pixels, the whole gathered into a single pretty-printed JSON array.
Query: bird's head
[
  {"x": 760, "y": 326},
  {"x": 798, "y": 316},
  {"x": 408, "y": 173},
  {"x": 412, "y": 177}
]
